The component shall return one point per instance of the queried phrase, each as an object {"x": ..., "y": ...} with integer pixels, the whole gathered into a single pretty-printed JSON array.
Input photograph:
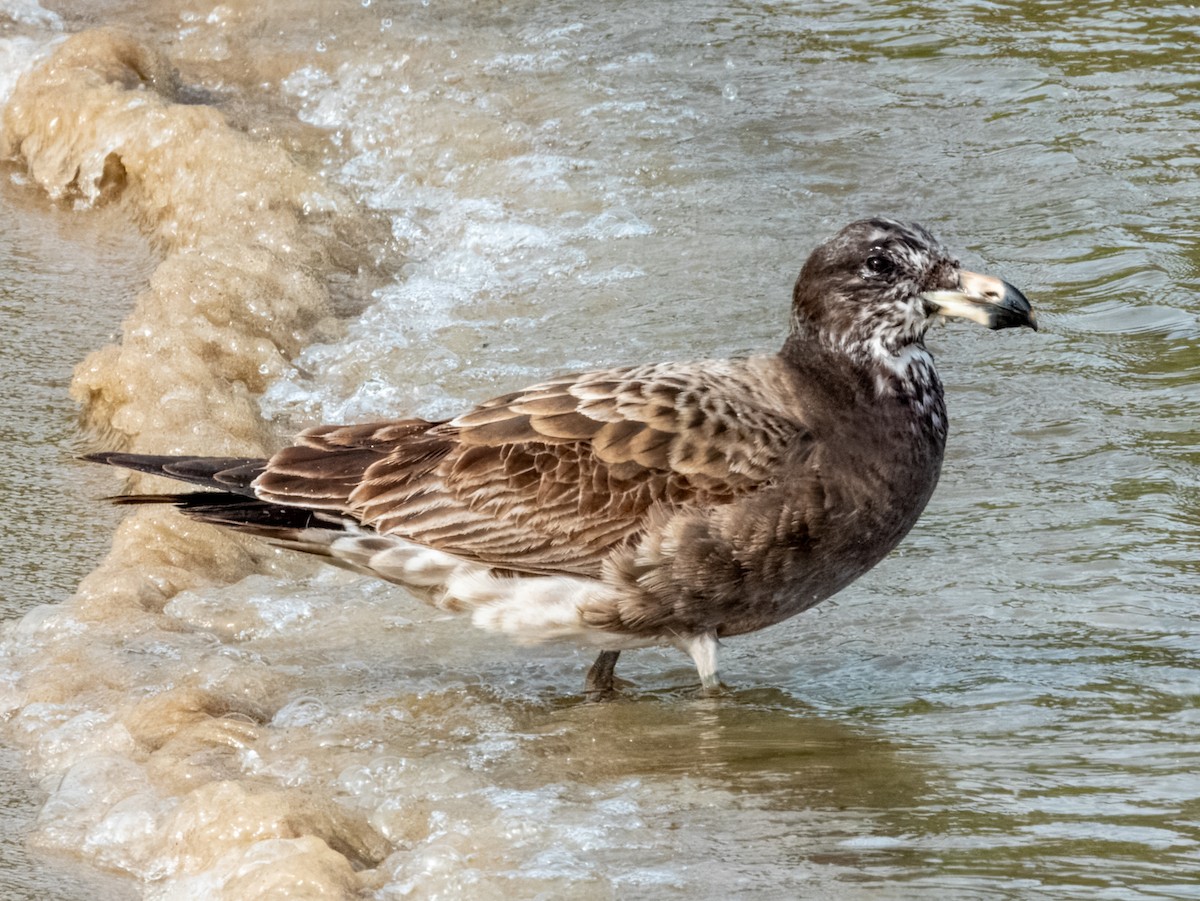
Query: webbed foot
[{"x": 601, "y": 682}]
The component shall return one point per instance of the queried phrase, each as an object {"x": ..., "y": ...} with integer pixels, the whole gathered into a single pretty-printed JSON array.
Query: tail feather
[
  {"x": 232, "y": 474},
  {"x": 230, "y": 502}
]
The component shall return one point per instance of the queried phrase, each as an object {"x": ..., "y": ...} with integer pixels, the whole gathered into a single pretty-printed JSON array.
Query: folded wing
[{"x": 552, "y": 478}]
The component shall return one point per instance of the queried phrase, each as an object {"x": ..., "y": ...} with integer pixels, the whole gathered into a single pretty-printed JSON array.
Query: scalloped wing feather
[{"x": 553, "y": 478}]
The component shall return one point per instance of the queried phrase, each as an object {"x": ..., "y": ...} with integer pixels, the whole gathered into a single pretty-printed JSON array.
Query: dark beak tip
[
  {"x": 1017, "y": 309},
  {"x": 1014, "y": 319}
]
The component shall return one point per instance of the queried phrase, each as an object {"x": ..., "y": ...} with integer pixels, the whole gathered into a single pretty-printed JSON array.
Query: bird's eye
[{"x": 878, "y": 264}]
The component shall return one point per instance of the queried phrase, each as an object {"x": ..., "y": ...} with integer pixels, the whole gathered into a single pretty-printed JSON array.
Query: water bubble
[
  {"x": 730, "y": 92},
  {"x": 303, "y": 711}
]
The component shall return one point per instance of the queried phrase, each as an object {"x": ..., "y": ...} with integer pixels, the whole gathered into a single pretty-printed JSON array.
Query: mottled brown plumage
[{"x": 667, "y": 503}]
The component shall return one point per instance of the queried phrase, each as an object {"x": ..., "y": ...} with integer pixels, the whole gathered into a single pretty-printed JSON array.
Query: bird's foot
[{"x": 602, "y": 683}]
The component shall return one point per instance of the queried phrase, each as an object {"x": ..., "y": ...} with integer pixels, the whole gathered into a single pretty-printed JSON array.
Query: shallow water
[
  {"x": 337, "y": 212},
  {"x": 60, "y": 269}
]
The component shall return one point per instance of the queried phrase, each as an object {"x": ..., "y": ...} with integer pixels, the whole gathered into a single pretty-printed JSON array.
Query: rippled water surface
[{"x": 228, "y": 222}]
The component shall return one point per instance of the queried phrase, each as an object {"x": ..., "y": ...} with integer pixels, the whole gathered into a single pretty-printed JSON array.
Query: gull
[{"x": 657, "y": 504}]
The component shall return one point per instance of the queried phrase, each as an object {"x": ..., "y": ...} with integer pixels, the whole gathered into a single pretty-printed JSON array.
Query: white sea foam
[
  {"x": 472, "y": 250},
  {"x": 30, "y": 12},
  {"x": 17, "y": 56}
]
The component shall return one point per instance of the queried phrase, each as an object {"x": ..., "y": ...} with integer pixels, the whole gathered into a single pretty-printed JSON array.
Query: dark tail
[
  {"x": 230, "y": 500},
  {"x": 232, "y": 474}
]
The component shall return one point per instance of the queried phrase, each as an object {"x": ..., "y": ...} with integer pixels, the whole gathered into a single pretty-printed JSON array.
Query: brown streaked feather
[
  {"x": 550, "y": 404},
  {"x": 367, "y": 435},
  {"x": 552, "y": 478},
  {"x": 571, "y": 426}
]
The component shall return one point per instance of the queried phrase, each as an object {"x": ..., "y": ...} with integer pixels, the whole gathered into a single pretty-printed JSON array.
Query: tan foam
[{"x": 239, "y": 291}]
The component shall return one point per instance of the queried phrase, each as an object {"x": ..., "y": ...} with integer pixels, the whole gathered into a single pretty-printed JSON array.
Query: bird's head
[{"x": 875, "y": 287}]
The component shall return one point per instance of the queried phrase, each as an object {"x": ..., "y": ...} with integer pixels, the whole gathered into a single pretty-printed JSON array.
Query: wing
[{"x": 550, "y": 479}]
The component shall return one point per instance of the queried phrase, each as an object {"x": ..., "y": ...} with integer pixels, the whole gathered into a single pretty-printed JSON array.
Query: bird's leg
[
  {"x": 599, "y": 681},
  {"x": 703, "y": 651}
]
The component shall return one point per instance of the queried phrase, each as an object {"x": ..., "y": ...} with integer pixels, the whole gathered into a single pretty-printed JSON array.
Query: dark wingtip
[
  {"x": 235, "y": 474},
  {"x": 99, "y": 457}
]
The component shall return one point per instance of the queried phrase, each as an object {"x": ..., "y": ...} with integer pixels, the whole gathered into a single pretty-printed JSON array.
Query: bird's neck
[{"x": 901, "y": 383}]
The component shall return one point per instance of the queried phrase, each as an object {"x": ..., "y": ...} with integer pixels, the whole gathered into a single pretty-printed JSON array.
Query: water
[
  {"x": 60, "y": 269},
  {"x": 366, "y": 209}
]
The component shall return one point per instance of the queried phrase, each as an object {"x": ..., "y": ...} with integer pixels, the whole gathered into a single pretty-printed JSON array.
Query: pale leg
[{"x": 703, "y": 651}]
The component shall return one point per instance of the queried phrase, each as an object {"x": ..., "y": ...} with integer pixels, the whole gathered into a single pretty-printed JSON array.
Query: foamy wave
[
  {"x": 30, "y": 12},
  {"x": 17, "y": 56},
  {"x": 134, "y": 725},
  {"x": 462, "y": 160}
]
